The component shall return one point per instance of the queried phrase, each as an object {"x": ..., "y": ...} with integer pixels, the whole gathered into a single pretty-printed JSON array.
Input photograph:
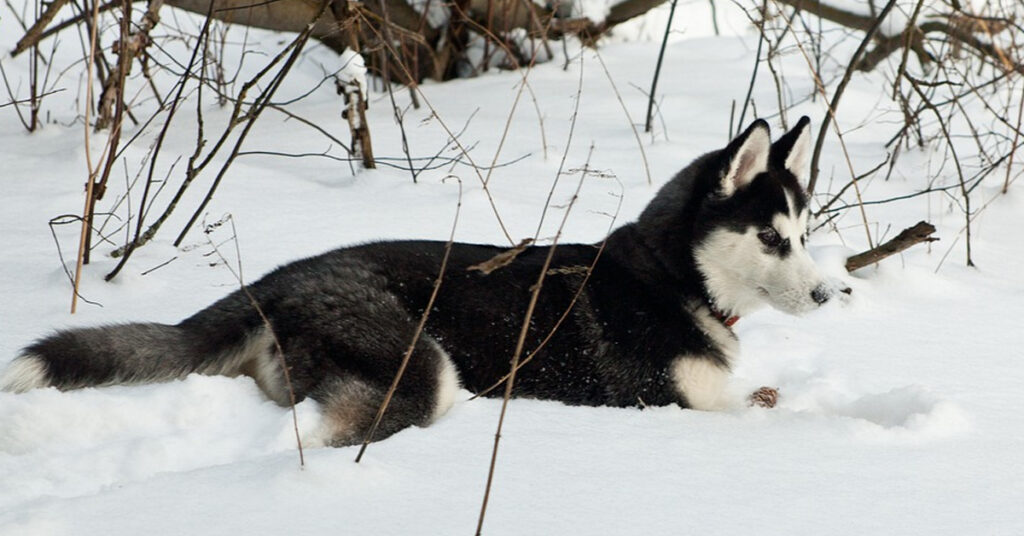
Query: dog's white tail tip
[{"x": 26, "y": 372}]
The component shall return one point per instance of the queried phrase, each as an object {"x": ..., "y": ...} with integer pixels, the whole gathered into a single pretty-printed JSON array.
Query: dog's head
[{"x": 751, "y": 230}]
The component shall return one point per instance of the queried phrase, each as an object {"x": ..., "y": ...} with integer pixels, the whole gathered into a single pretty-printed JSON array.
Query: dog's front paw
[{"x": 765, "y": 397}]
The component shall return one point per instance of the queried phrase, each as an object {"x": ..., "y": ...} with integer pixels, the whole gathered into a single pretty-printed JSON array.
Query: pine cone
[{"x": 765, "y": 397}]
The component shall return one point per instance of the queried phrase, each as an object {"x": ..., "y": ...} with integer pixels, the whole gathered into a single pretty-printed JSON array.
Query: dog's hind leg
[{"x": 350, "y": 401}]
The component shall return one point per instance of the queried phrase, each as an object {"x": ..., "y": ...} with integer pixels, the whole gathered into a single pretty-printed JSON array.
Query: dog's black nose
[{"x": 820, "y": 294}]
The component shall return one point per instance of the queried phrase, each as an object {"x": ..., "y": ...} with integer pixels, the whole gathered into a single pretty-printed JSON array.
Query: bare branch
[{"x": 921, "y": 232}]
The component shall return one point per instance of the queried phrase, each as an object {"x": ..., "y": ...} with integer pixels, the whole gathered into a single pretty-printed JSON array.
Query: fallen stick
[
  {"x": 921, "y": 232},
  {"x": 33, "y": 34}
]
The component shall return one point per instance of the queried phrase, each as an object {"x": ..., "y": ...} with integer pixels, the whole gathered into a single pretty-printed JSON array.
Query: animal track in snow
[{"x": 902, "y": 413}]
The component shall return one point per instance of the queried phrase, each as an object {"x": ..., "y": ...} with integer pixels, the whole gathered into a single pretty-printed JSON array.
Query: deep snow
[{"x": 899, "y": 410}]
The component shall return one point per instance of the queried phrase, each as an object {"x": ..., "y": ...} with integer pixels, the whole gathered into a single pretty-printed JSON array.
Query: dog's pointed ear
[
  {"x": 746, "y": 157},
  {"x": 793, "y": 151}
]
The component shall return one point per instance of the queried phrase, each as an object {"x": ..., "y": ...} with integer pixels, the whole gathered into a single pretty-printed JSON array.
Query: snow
[
  {"x": 899, "y": 408},
  {"x": 437, "y": 14},
  {"x": 595, "y": 10},
  {"x": 353, "y": 71}
]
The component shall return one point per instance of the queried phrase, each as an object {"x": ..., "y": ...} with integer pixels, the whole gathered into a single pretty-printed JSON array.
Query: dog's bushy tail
[{"x": 127, "y": 354}]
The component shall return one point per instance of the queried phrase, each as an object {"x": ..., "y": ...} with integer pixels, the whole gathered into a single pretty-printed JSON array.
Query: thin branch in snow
[
  {"x": 254, "y": 111},
  {"x": 62, "y": 220},
  {"x": 565, "y": 152},
  {"x": 278, "y": 351},
  {"x": 761, "y": 38},
  {"x": 820, "y": 86},
  {"x": 141, "y": 238},
  {"x": 1016, "y": 142},
  {"x": 625, "y": 111},
  {"x": 661, "y": 57},
  {"x": 521, "y": 341},
  {"x": 454, "y": 139},
  {"x": 834, "y": 103},
  {"x": 419, "y": 328},
  {"x": 83, "y": 238},
  {"x": 585, "y": 272}
]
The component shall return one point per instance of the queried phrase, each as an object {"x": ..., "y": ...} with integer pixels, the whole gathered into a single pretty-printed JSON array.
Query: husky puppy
[{"x": 650, "y": 324}]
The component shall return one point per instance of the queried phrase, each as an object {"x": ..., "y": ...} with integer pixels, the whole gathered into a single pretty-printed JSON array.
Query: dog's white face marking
[{"x": 767, "y": 265}]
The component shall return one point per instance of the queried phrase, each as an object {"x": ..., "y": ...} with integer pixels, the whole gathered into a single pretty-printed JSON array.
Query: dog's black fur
[{"x": 345, "y": 318}]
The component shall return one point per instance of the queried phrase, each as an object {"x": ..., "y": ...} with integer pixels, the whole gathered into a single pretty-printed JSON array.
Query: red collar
[{"x": 726, "y": 321}]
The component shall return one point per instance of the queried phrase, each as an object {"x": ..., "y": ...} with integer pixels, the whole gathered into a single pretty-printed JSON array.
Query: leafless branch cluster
[
  {"x": 122, "y": 53},
  {"x": 430, "y": 38},
  {"x": 955, "y": 85}
]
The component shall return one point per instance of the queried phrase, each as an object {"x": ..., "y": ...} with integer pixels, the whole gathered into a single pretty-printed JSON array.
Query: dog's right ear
[
  {"x": 793, "y": 151},
  {"x": 745, "y": 157}
]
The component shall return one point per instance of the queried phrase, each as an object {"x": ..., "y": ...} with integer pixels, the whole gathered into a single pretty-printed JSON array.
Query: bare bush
[{"x": 953, "y": 76}]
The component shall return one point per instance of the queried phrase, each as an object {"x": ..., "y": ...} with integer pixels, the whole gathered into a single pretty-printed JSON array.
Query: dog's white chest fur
[{"x": 703, "y": 380}]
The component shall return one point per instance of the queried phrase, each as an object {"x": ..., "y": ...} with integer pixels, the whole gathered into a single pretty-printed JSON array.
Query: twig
[
  {"x": 161, "y": 265},
  {"x": 77, "y": 19},
  {"x": 632, "y": 126},
  {"x": 34, "y": 33},
  {"x": 113, "y": 95},
  {"x": 956, "y": 162},
  {"x": 397, "y": 113},
  {"x": 732, "y": 114},
  {"x": 254, "y": 113},
  {"x": 279, "y": 352},
  {"x": 1016, "y": 142},
  {"x": 714, "y": 17},
  {"x": 586, "y": 272},
  {"x": 761, "y": 38},
  {"x": 354, "y": 96},
  {"x": 535, "y": 294},
  {"x": 29, "y": 100},
  {"x": 661, "y": 56},
  {"x": 33, "y": 87},
  {"x": 540, "y": 122},
  {"x": 565, "y": 152},
  {"x": 310, "y": 124},
  {"x": 62, "y": 220},
  {"x": 90, "y": 184},
  {"x": 454, "y": 138},
  {"x": 140, "y": 237},
  {"x": 820, "y": 85},
  {"x": 835, "y": 197},
  {"x": 921, "y": 232},
  {"x": 952, "y": 31},
  {"x": 975, "y": 182},
  {"x": 833, "y": 105},
  {"x": 14, "y": 100},
  {"x": 524, "y": 85},
  {"x": 502, "y": 259},
  {"x": 419, "y": 330},
  {"x": 444, "y": 161}
]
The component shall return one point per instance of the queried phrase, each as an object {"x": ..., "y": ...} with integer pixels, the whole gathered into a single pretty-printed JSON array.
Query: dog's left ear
[
  {"x": 793, "y": 150},
  {"x": 747, "y": 156}
]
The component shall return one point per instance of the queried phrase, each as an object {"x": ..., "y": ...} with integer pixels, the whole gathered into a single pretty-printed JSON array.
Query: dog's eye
[{"x": 769, "y": 237}]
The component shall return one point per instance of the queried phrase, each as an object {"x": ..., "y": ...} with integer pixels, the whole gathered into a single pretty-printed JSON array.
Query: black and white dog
[{"x": 650, "y": 324}]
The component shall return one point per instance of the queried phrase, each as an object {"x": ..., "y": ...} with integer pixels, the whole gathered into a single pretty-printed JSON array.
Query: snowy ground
[{"x": 899, "y": 410}]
